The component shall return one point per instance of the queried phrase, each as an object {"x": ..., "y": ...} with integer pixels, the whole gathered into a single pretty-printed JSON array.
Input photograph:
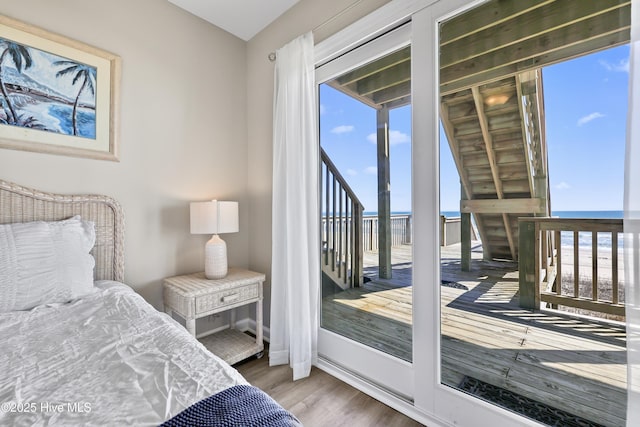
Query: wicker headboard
[{"x": 20, "y": 204}]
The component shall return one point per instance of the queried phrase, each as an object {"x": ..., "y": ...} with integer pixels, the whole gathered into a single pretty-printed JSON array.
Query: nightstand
[{"x": 194, "y": 296}]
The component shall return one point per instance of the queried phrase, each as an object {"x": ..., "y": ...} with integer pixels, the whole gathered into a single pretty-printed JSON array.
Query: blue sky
[
  {"x": 348, "y": 135},
  {"x": 585, "y": 107}
]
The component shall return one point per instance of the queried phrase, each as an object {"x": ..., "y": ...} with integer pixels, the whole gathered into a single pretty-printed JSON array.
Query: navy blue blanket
[{"x": 237, "y": 406}]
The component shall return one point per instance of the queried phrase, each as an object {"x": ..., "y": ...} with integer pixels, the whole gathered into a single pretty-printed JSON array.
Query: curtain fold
[
  {"x": 632, "y": 223},
  {"x": 295, "y": 270}
]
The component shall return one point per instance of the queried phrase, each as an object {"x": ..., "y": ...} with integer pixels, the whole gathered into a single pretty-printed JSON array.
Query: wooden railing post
[
  {"x": 358, "y": 247},
  {"x": 407, "y": 231},
  {"x": 529, "y": 294},
  {"x": 465, "y": 243}
]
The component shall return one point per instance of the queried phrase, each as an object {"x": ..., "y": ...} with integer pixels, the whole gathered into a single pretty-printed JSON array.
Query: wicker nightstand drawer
[{"x": 229, "y": 297}]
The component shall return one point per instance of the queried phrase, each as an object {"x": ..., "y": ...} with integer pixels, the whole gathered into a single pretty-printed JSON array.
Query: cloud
[
  {"x": 621, "y": 66},
  {"x": 323, "y": 109},
  {"x": 395, "y": 137},
  {"x": 371, "y": 170},
  {"x": 342, "y": 129},
  {"x": 586, "y": 119},
  {"x": 352, "y": 172},
  {"x": 562, "y": 186}
]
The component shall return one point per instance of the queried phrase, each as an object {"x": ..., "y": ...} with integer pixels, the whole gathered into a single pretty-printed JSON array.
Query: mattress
[{"x": 108, "y": 358}]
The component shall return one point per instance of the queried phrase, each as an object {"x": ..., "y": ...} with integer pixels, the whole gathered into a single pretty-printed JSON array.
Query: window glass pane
[
  {"x": 365, "y": 137},
  {"x": 533, "y": 108}
]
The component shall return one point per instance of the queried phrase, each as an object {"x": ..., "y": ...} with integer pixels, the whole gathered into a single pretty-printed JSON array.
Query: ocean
[{"x": 584, "y": 239}]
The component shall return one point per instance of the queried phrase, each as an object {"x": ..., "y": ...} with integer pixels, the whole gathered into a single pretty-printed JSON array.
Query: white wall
[
  {"x": 183, "y": 130},
  {"x": 325, "y": 18},
  {"x": 196, "y": 123}
]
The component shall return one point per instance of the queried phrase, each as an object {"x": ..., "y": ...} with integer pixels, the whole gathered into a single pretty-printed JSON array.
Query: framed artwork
[{"x": 57, "y": 95}]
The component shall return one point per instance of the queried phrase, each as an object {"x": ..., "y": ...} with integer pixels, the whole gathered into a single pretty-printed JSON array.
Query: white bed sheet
[{"x": 106, "y": 359}]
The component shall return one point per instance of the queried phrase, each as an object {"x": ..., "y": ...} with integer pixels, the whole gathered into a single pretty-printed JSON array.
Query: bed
[{"x": 79, "y": 347}]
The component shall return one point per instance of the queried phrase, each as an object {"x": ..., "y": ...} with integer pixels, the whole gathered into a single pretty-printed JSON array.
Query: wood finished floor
[
  {"x": 321, "y": 400},
  {"x": 577, "y": 365}
]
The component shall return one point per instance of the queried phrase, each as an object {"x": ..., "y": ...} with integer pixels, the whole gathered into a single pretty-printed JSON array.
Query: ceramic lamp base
[{"x": 215, "y": 258}]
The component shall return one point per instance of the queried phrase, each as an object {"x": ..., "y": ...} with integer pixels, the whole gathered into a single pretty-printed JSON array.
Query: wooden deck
[{"x": 574, "y": 364}]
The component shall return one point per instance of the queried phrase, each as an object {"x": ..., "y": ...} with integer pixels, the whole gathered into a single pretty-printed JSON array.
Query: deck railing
[
  {"x": 544, "y": 273},
  {"x": 342, "y": 256},
  {"x": 400, "y": 231}
]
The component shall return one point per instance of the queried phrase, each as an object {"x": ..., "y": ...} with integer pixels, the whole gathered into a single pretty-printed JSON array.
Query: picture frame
[{"x": 57, "y": 95}]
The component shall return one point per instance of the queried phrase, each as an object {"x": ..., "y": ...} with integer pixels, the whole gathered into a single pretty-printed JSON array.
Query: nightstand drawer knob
[{"x": 230, "y": 298}]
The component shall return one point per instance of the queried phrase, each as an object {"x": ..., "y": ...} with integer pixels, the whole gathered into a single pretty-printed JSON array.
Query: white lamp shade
[
  {"x": 228, "y": 217},
  {"x": 204, "y": 217},
  {"x": 214, "y": 217}
]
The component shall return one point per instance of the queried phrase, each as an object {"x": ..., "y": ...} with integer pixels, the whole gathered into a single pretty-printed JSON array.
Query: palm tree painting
[
  {"x": 80, "y": 71},
  {"x": 15, "y": 52},
  {"x": 46, "y": 92}
]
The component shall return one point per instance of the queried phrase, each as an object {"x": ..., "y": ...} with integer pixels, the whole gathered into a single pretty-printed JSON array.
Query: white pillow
[{"x": 45, "y": 262}]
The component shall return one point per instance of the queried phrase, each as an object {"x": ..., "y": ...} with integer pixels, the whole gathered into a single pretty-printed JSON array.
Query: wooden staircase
[
  {"x": 342, "y": 243},
  {"x": 497, "y": 138}
]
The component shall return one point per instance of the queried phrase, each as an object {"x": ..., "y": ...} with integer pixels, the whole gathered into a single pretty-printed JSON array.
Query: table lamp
[{"x": 214, "y": 217}]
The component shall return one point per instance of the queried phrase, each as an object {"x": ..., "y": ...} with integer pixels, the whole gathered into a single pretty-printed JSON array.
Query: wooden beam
[
  {"x": 525, "y": 134},
  {"x": 384, "y": 195},
  {"x": 506, "y": 206},
  {"x": 488, "y": 140},
  {"x": 543, "y": 193},
  {"x": 400, "y": 102},
  {"x": 449, "y": 131},
  {"x": 487, "y": 253},
  {"x": 485, "y": 16},
  {"x": 481, "y": 73},
  {"x": 510, "y": 238},
  {"x": 528, "y": 287},
  {"x": 535, "y": 23},
  {"x": 392, "y": 93},
  {"x": 465, "y": 241},
  {"x": 375, "y": 67},
  {"x": 390, "y": 77},
  {"x": 353, "y": 94},
  {"x": 579, "y": 224},
  {"x": 584, "y": 304}
]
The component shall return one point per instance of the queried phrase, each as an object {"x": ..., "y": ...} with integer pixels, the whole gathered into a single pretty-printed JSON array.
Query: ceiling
[{"x": 242, "y": 18}]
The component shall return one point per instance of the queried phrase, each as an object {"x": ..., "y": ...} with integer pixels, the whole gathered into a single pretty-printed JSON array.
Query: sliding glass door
[{"x": 366, "y": 215}]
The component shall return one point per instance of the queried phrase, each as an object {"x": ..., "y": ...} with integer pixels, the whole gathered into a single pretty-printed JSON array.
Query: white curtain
[
  {"x": 632, "y": 223},
  {"x": 295, "y": 272}
]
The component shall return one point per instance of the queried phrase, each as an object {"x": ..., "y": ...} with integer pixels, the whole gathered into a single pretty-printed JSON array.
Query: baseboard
[{"x": 248, "y": 324}]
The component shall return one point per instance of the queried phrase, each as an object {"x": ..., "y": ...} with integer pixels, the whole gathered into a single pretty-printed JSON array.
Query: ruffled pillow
[{"x": 45, "y": 262}]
